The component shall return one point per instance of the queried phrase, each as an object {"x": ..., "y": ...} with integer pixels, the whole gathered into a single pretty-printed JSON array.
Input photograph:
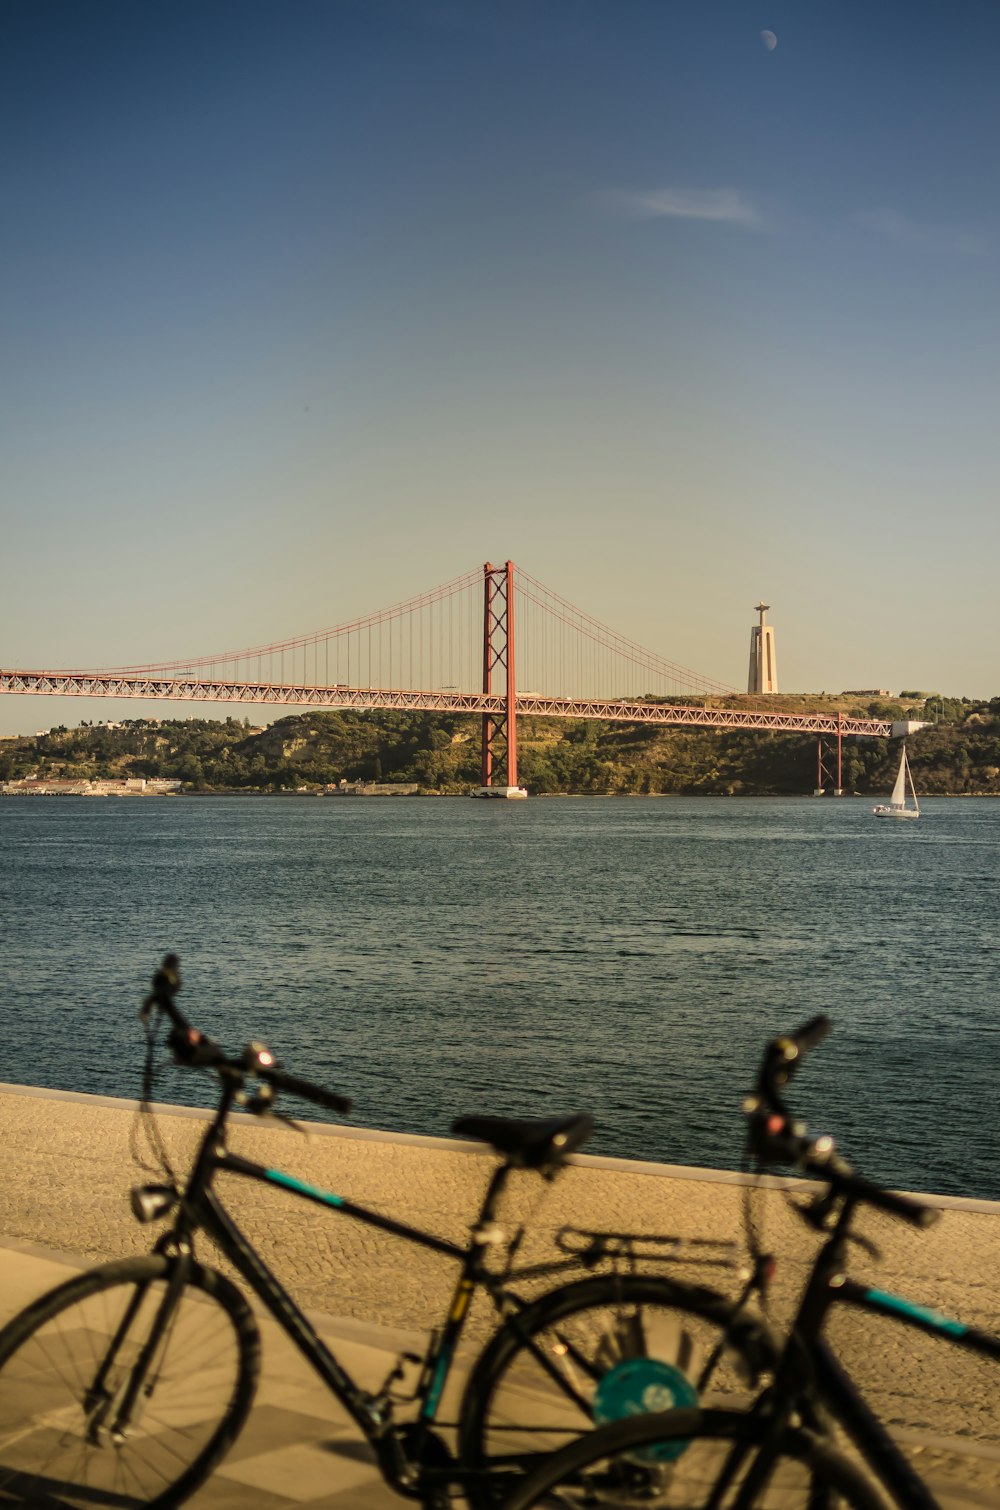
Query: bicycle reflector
[{"x": 150, "y": 1202}]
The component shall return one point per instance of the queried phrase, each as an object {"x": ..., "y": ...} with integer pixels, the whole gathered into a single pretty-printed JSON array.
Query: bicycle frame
[
  {"x": 878, "y": 1448},
  {"x": 809, "y": 1368},
  {"x": 200, "y": 1209}
]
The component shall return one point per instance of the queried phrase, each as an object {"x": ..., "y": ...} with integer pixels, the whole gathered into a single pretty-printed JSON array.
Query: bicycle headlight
[{"x": 150, "y": 1202}]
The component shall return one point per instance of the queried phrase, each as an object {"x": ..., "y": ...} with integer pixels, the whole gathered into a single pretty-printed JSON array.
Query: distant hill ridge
[{"x": 439, "y": 753}]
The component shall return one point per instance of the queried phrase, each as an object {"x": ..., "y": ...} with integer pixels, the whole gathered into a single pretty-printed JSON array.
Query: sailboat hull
[{"x": 895, "y": 812}]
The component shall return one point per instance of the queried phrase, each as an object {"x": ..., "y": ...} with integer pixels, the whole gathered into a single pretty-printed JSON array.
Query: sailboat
[{"x": 896, "y": 807}]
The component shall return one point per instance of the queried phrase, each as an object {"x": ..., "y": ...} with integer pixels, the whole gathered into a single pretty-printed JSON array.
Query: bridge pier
[
  {"x": 825, "y": 776},
  {"x": 499, "y": 738}
]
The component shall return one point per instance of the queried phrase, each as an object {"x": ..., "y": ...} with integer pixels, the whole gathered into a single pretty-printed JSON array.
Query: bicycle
[
  {"x": 128, "y": 1384},
  {"x": 782, "y": 1451}
]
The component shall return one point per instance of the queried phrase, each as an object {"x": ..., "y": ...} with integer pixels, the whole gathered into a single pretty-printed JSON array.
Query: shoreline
[
  {"x": 69, "y": 1171},
  {"x": 809, "y": 796}
]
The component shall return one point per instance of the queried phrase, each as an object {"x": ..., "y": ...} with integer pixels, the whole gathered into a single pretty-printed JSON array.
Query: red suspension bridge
[{"x": 469, "y": 646}]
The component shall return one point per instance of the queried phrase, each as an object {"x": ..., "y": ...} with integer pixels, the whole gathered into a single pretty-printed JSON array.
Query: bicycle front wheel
[
  {"x": 691, "y": 1460},
  {"x": 91, "y": 1418},
  {"x": 595, "y": 1351}
]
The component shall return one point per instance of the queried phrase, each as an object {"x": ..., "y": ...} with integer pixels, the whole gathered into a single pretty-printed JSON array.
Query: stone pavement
[{"x": 63, "y": 1191}]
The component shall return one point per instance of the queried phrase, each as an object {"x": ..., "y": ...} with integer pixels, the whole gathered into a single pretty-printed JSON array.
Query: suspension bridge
[{"x": 470, "y": 646}]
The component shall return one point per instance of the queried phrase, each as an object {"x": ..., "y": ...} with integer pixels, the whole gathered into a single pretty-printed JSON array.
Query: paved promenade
[{"x": 63, "y": 1202}]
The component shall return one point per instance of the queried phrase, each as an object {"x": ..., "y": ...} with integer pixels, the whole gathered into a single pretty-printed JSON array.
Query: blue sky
[{"x": 307, "y": 307}]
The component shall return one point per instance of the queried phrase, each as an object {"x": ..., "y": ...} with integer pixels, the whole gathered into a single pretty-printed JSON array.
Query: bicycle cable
[
  {"x": 144, "y": 1122},
  {"x": 514, "y": 1246},
  {"x": 762, "y": 1264}
]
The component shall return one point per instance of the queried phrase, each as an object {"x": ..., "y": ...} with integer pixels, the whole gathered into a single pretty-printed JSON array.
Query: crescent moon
[{"x": 769, "y": 40}]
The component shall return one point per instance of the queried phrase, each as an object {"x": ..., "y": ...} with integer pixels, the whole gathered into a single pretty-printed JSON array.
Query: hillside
[{"x": 960, "y": 754}]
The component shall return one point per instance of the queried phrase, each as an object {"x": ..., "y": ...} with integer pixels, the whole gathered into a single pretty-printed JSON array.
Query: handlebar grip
[
  {"x": 811, "y": 1033},
  {"x": 166, "y": 984},
  {"x": 784, "y": 1054},
  {"x": 167, "y": 980},
  {"x": 309, "y": 1092},
  {"x": 903, "y": 1206}
]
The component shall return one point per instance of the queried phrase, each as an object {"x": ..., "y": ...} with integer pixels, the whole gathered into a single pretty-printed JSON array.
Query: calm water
[{"x": 443, "y": 956}]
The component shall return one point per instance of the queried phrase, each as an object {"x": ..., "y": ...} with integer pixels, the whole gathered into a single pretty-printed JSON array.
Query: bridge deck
[{"x": 621, "y": 710}]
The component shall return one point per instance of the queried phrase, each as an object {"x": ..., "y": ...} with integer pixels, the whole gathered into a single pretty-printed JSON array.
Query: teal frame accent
[
  {"x": 442, "y": 1366},
  {"x": 896, "y": 1306},
  {"x": 276, "y": 1177}
]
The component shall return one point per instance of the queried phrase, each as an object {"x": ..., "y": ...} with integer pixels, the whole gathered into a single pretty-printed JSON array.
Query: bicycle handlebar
[
  {"x": 294, "y": 1085},
  {"x": 775, "y": 1138},
  {"x": 193, "y": 1049},
  {"x": 811, "y": 1033},
  {"x": 904, "y": 1206}
]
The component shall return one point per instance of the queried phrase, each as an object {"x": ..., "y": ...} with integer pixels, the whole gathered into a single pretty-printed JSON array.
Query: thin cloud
[
  {"x": 897, "y": 227},
  {"x": 728, "y": 206}
]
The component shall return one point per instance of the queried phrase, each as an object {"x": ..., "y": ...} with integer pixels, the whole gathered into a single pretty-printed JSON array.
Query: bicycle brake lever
[
  {"x": 289, "y": 1122},
  {"x": 866, "y": 1244},
  {"x": 818, "y": 1211},
  {"x": 260, "y": 1106}
]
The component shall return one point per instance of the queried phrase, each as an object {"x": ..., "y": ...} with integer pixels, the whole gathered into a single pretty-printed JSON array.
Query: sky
[{"x": 306, "y": 308}]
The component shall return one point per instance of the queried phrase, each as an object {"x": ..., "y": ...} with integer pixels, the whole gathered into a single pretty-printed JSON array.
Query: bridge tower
[
  {"x": 763, "y": 661},
  {"x": 499, "y": 749}
]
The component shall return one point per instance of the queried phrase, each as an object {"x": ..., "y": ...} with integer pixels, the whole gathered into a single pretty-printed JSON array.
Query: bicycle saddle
[{"x": 529, "y": 1144}]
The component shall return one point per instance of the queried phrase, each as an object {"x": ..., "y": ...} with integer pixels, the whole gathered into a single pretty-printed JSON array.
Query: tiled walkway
[
  {"x": 64, "y": 1185},
  {"x": 298, "y": 1450}
]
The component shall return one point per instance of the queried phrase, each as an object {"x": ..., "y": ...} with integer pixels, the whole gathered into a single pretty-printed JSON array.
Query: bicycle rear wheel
[
  {"x": 690, "y": 1460},
  {"x": 66, "y": 1367},
  {"x": 594, "y": 1351}
]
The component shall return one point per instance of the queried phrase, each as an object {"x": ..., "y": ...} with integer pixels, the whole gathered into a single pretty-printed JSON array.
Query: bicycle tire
[
  {"x": 535, "y": 1387},
  {"x": 64, "y": 1364},
  {"x": 616, "y": 1467}
]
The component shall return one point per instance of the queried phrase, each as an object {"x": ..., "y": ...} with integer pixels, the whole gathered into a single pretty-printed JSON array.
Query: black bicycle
[
  {"x": 127, "y": 1385},
  {"x": 782, "y": 1452}
]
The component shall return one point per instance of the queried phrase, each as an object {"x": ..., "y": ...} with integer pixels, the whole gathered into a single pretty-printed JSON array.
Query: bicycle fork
[{"x": 113, "y": 1410}]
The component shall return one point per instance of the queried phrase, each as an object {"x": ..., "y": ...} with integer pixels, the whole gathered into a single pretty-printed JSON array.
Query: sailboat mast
[{"x": 913, "y": 789}]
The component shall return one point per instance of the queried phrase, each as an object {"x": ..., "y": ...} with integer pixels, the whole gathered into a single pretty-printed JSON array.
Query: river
[{"x": 441, "y": 956}]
